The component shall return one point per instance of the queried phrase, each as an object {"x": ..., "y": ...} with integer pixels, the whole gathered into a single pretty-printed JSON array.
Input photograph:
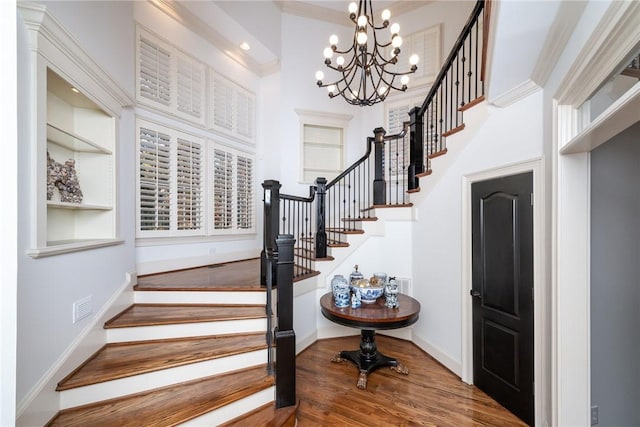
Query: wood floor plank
[
  {"x": 168, "y": 406},
  {"x": 233, "y": 276},
  {"x": 164, "y": 314},
  {"x": 430, "y": 395},
  {"x": 120, "y": 360}
]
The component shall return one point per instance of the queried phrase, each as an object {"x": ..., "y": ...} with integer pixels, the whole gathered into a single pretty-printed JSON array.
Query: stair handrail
[{"x": 445, "y": 115}]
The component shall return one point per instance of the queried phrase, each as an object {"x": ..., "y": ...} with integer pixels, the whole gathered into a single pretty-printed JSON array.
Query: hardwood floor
[{"x": 430, "y": 395}]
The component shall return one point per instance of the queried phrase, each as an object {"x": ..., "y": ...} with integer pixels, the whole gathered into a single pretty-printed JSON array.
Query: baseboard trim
[
  {"x": 43, "y": 402},
  {"x": 302, "y": 344},
  {"x": 435, "y": 352}
]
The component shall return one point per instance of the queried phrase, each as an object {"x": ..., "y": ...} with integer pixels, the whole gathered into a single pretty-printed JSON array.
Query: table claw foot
[
  {"x": 337, "y": 358},
  {"x": 362, "y": 380},
  {"x": 401, "y": 369}
]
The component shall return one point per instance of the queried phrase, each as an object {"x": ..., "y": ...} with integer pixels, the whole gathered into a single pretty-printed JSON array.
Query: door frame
[{"x": 541, "y": 333}]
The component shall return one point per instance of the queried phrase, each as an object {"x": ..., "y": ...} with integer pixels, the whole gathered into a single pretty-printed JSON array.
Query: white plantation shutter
[
  {"x": 190, "y": 87},
  {"x": 222, "y": 190},
  {"x": 232, "y": 108},
  {"x": 189, "y": 181},
  {"x": 426, "y": 44},
  {"x": 154, "y": 71},
  {"x": 244, "y": 108},
  {"x": 398, "y": 151},
  {"x": 244, "y": 192},
  {"x": 222, "y": 102},
  {"x": 155, "y": 180}
]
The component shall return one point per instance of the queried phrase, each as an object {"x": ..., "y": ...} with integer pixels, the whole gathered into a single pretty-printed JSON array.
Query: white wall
[
  {"x": 47, "y": 287},
  {"x": 502, "y": 137},
  {"x": 9, "y": 213}
]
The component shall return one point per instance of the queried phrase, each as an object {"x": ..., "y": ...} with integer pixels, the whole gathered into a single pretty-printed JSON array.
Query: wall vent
[
  {"x": 82, "y": 308},
  {"x": 404, "y": 283}
]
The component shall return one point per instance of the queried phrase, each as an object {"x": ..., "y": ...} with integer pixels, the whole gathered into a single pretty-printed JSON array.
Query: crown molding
[
  {"x": 561, "y": 30},
  {"x": 515, "y": 94},
  {"x": 610, "y": 43},
  {"x": 187, "y": 19},
  {"x": 48, "y": 38}
]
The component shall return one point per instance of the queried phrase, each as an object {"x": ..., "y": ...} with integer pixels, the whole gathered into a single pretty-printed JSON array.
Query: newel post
[
  {"x": 270, "y": 232},
  {"x": 321, "y": 234},
  {"x": 416, "y": 145},
  {"x": 379, "y": 184},
  {"x": 285, "y": 336}
]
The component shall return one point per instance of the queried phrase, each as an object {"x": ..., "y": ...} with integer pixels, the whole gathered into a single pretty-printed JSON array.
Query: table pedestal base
[{"x": 368, "y": 359}]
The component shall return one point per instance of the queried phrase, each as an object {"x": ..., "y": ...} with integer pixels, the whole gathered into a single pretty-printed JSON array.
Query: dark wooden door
[{"x": 502, "y": 291}]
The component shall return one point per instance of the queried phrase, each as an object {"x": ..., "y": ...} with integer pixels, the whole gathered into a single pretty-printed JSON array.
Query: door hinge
[{"x": 531, "y": 199}]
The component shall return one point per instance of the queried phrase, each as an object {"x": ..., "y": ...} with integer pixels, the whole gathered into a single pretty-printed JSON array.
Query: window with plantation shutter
[
  {"x": 427, "y": 45},
  {"x": 222, "y": 190},
  {"x": 233, "y": 193},
  {"x": 221, "y": 102},
  {"x": 397, "y": 150},
  {"x": 244, "y": 201},
  {"x": 189, "y": 195},
  {"x": 154, "y": 71},
  {"x": 171, "y": 182},
  {"x": 232, "y": 108},
  {"x": 190, "y": 88},
  {"x": 155, "y": 180},
  {"x": 245, "y": 108}
]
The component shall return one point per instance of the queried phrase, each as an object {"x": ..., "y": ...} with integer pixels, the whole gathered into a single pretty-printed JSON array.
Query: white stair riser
[
  {"x": 142, "y": 333},
  {"x": 142, "y": 382},
  {"x": 176, "y": 297},
  {"x": 234, "y": 409}
]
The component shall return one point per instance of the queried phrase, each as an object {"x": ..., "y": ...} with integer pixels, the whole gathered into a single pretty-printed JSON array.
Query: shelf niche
[{"x": 79, "y": 130}]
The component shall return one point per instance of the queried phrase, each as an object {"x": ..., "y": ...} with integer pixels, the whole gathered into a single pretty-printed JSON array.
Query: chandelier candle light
[{"x": 365, "y": 78}]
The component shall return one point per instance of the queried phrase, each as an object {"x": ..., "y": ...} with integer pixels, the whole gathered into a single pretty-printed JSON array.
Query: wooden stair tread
[
  {"x": 168, "y": 406},
  {"x": 165, "y": 314},
  {"x": 266, "y": 416},
  {"x": 236, "y": 276},
  {"x": 470, "y": 104},
  {"x": 425, "y": 173},
  {"x": 414, "y": 190},
  {"x": 437, "y": 154},
  {"x": 120, "y": 360},
  {"x": 453, "y": 131},
  {"x": 310, "y": 255},
  {"x": 370, "y": 218},
  {"x": 344, "y": 231}
]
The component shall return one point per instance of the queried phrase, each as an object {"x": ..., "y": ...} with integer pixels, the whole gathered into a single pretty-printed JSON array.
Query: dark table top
[{"x": 372, "y": 316}]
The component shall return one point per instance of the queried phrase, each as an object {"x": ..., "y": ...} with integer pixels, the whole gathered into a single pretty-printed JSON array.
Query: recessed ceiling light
[
  {"x": 245, "y": 46},
  {"x": 73, "y": 89}
]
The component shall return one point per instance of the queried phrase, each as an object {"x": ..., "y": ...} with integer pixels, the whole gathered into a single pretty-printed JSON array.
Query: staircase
[{"x": 191, "y": 350}]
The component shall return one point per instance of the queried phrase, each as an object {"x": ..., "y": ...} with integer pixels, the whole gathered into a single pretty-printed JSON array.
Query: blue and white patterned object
[
  {"x": 341, "y": 293},
  {"x": 369, "y": 295}
]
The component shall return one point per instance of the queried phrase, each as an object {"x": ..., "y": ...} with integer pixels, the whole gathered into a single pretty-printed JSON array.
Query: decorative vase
[
  {"x": 335, "y": 281},
  {"x": 355, "y": 276},
  {"x": 391, "y": 293},
  {"x": 341, "y": 298}
]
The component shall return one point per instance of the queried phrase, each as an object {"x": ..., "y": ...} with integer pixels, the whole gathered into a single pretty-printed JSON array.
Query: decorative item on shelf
[
  {"x": 378, "y": 279},
  {"x": 355, "y": 276},
  {"x": 366, "y": 78},
  {"x": 368, "y": 293},
  {"x": 391, "y": 293},
  {"x": 342, "y": 293},
  {"x": 65, "y": 178},
  {"x": 338, "y": 280}
]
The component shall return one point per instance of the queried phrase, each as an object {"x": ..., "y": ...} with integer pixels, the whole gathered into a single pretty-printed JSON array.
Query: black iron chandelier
[{"x": 365, "y": 79}]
